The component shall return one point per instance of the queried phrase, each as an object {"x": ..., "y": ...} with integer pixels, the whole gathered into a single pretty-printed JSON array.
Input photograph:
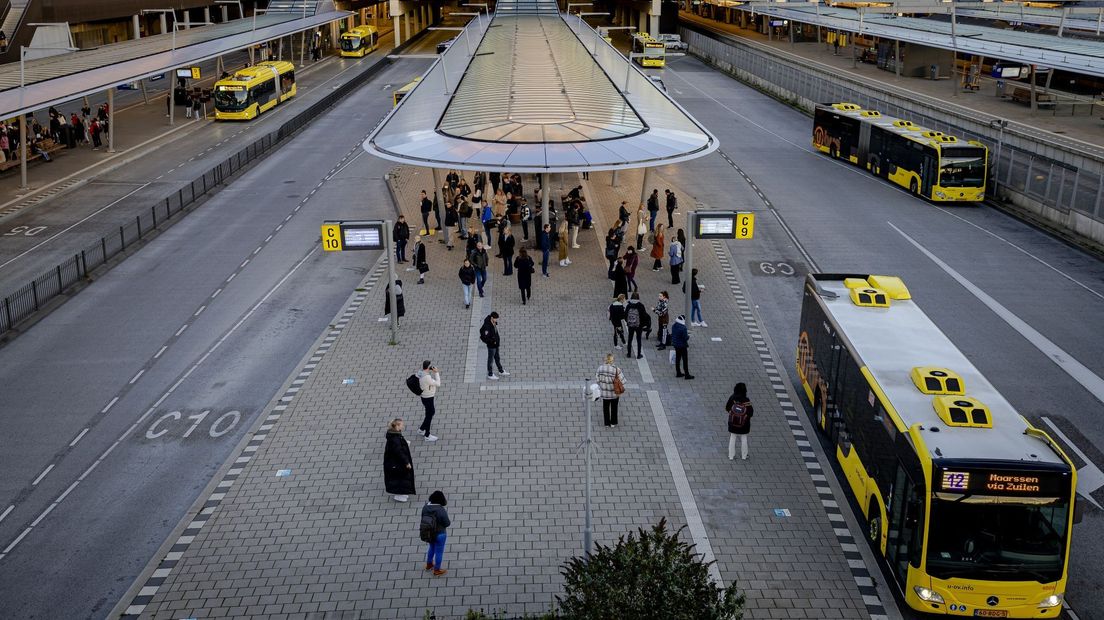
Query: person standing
[
  {"x": 400, "y": 235},
  {"x": 632, "y": 261},
  {"x": 739, "y": 412},
  {"x": 661, "y": 310},
  {"x": 674, "y": 257},
  {"x": 467, "y": 279},
  {"x": 425, "y": 208},
  {"x": 489, "y": 222},
  {"x": 496, "y": 178},
  {"x": 525, "y": 268},
  {"x": 620, "y": 278},
  {"x": 608, "y": 376},
  {"x": 653, "y": 208},
  {"x": 452, "y": 218},
  {"x": 544, "y": 243},
  {"x": 657, "y": 248},
  {"x": 479, "y": 259},
  {"x": 401, "y": 307},
  {"x": 479, "y": 182},
  {"x": 506, "y": 249},
  {"x": 635, "y": 315},
  {"x": 398, "y": 467},
  {"x": 613, "y": 247},
  {"x": 672, "y": 204},
  {"x": 641, "y": 227},
  {"x": 695, "y": 300},
  {"x": 420, "y": 258},
  {"x": 429, "y": 381},
  {"x": 680, "y": 337},
  {"x": 434, "y": 522},
  {"x": 616, "y": 315},
  {"x": 488, "y": 333},
  {"x": 562, "y": 246}
]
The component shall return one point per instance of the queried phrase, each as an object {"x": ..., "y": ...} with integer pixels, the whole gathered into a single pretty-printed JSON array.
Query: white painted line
[
  {"x": 257, "y": 250},
  {"x": 269, "y": 238},
  {"x": 1089, "y": 477},
  {"x": 181, "y": 330},
  {"x": 201, "y": 309},
  {"x": 110, "y": 404},
  {"x": 246, "y": 262},
  {"x": 1087, "y": 378},
  {"x": 7, "y": 512},
  {"x": 78, "y": 438},
  {"x": 62, "y": 497},
  {"x": 15, "y": 542},
  {"x": 42, "y": 475},
  {"x": 88, "y": 471},
  {"x": 162, "y": 350},
  {"x": 231, "y": 277},
  {"x": 682, "y": 484},
  {"x": 216, "y": 293},
  {"x": 645, "y": 370},
  {"x": 137, "y": 376},
  {"x": 43, "y": 515}
]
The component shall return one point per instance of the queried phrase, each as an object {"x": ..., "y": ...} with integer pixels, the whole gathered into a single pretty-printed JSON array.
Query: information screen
[
  {"x": 715, "y": 225},
  {"x": 184, "y": 73},
  {"x": 362, "y": 236},
  {"x": 1003, "y": 482}
]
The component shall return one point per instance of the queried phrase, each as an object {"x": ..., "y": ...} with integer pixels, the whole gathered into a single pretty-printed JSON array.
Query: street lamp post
[
  {"x": 628, "y": 68},
  {"x": 999, "y": 124},
  {"x": 486, "y": 9},
  {"x": 590, "y": 394},
  {"x": 581, "y": 15}
]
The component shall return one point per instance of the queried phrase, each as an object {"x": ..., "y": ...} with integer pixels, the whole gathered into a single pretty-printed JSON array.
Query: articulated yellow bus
[
  {"x": 970, "y": 505},
  {"x": 404, "y": 90},
  {"x": 931, "y": 164},
  {"x": 247, "y": 93},
  {"x": 359, "y": 41},
  {"x": 654, "y": 51}
]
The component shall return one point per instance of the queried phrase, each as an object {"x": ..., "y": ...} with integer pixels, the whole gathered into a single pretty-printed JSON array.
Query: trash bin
[{"x": 933, "y": 71}]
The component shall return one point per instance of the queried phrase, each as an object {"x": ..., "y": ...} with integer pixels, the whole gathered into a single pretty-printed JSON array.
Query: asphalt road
[
  {"x": 844, "y": 220},
  {"x": 121, "y": 405}
]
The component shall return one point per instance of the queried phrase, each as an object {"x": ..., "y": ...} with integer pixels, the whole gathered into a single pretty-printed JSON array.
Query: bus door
[
  {"x": 834, "y": 424},
  {"x": 929, "y": 171},
  {"x": 864, "y": 145},
  {"x": 904, "y": 510}
]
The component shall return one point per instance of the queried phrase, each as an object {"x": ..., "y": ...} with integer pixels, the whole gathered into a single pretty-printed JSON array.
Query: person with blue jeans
[
  {"x": 544, "y": 242},
  {"x": 479, "y": 258},
  {"x": 435, "y": 509},
  {"x": 695, "y": 300},
  {"x": 467, "y": 279}
]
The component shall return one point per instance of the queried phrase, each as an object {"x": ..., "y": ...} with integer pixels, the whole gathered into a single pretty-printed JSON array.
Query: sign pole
[
  {"x": 394, "y": 314},
  {"x": 588, "y": 528},
  {"x": 688, "y": 264}
]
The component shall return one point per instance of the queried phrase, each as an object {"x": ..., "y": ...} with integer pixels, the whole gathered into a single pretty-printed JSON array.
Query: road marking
[
  {"x": 110, "y": 404},
  {"x": 15, "y": 542},
  {"x": 216, "y": 293},
  {"x": 246, "y": 262},
  {"x": 43, "y": 515},
  {"x": 645, "y": 370},
  {"x": 137, "y": 376},
  {"x": 201, "y": 309},
  {"x": 1089, "y": 477},
  {"x": 7, "y": 512},
  {"x": 347, "y": 164},
  {"x": 162, "y": 350},
  {"x": 231, "y": 277},
  {"x": 42, "y": 475},
  {"x": 78, "y": 438},
  {"x": 1075, "y": 369},
  {"x": 67, "y": 492},
  {"x": 181, "y": 330}
]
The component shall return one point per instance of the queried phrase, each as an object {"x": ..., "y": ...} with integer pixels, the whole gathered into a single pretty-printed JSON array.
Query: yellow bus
[
  {"x": 971, "y": 507},
  {"x": 931, "y": 164},
  {"x": 405, "y": 89},
  {"x": 247, "y": 93},
  {"x": 359, "y": 41},
  {"x": 653, "y": 51}
]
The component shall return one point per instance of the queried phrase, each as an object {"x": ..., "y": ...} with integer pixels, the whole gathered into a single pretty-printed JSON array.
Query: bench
[
  {"x": 51, "y": 147},
  {"x": 1042, "y": 100}
]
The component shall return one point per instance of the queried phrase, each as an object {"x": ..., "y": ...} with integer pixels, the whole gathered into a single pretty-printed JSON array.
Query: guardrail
[
  {"x": 1057, "y": 182},
  {"x": 24, "y": 302}
]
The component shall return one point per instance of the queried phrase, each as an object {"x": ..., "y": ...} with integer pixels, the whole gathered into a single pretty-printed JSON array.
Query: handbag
[{"x": 618, "y": 386}]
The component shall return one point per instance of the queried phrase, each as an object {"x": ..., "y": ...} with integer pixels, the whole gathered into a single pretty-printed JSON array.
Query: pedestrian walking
[
  {"x": 488, "y": 333},
  {"x": 434, "y": 522},
  {"x": 479, "y": 181},
  {"x": 623, "y": 212},
  {"x": 635, "y": 315},
  {"x": 420, "y": 258},
  {"x": 544, "y": 243},
  {"x": 400, "y": 235},
  {"x": 661, "y": 310},
  {"x": 429, "y": 380},
  {"x": 398, "y": 467},
  {"x": 674, "y": 257},
  {"x": 680, "y": 337},
  {"x": 695, "y": 300},
  {"x": 613, "y": 247},
  {"x": 641, "y": 227},
  {"x": 611, "y": 384},
  {"x": 525, "y": 267},
  {"x": 506, "y": 250},
  {"x": 657, "y": 248},
  {"x": 489, "y": 222},
  {"x": 632, "y": 261},
  {"x": 616, "y": 315},
  {"x": 401, "y": 306},
  {"x": 467, "y": 279},
  {"x": 620, "y": 278},
  {"x": 424, "y": 208},
  {"x": 464, "y": 212},
  {"x": 479, "y": 259},
  {"x": 452, "y": 218},
  {"x": 562, "y": 245},
  {"x": 653, "y": 209},
  {"x": 197, "y": 105},
  {"x": 739, "y": 412},
  {"x": 672, "y": 204}
]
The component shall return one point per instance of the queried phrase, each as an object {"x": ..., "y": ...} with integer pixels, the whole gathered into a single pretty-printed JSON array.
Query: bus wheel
[
  {"x": 874, "y": 527},
  {"x": 914, "y": 188},
  {"x": 833, "y": 153}
]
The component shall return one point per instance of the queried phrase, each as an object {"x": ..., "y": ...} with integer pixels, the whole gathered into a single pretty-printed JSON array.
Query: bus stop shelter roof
[
  {"x": 537, "y": 92},
  {"x": 1076, "y": 55},
  {"x": 56, "y": 79}
]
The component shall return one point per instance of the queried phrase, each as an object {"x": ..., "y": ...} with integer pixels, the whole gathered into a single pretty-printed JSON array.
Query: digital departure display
[
  {"x": 989, "y": 482},
  {"x": 366, "y": 237},
  {"x": 715, "y": 225}
]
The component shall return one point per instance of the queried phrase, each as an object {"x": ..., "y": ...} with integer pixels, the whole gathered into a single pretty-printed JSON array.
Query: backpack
[
  {"x": 427, "y": 529},
  {"x": 738, "y": 416},
  {"x": 633, "y": 316},
  {"x": 415, "y": 384},
  {"x": 676, "y": 254}
]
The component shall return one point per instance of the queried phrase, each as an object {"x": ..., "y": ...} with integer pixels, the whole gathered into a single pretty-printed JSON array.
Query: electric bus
[
  {"x": 253, "y": 90},
  {"x": 359, "y": 41},
  {"x": 654, "y": 52}
]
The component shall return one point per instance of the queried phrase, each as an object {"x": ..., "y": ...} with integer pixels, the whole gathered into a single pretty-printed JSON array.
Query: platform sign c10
[
  {"x": 331, "y": 237},
  {"x": 353, "y": 235}
]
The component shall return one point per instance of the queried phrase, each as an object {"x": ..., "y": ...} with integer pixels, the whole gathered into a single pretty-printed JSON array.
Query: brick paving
[{"x": 327, "y": 539}]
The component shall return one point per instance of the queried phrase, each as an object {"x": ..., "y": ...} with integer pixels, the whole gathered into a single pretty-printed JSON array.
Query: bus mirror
[{"x": 1078, "y": 509}]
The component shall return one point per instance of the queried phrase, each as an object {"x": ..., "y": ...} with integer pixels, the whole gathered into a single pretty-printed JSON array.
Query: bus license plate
[{"x": 991, "y": 613}]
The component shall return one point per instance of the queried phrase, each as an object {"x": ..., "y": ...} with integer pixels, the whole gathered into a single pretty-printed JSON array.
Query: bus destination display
[
  {"x": 362, "y": 238},
  {"x": 1002, "y": 482}
]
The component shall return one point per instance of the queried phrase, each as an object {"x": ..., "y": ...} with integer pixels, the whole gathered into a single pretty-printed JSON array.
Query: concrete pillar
[
  {"x": 225, "y": 12},
  {"x": 406, "y": 26},
  {"x": 350, "y": 22},
  {"x": 646, "y": 191},
  {"x": 111, "y": 120},
  {"x": 137, "y": 26},
  {"x": 164, "y": 23},
  {"x": 653, "y": 24},
  {"x": 187, "y": 19},
  {"x": 642, "y": 21},
  {"x": 206, "y": 14},
  {"x": 395, "y": 27},
  {"x": 546, "y": 199}
]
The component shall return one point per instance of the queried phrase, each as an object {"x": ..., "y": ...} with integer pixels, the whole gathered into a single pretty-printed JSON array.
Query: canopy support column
[
  {"x": 395, "y": 28},
  {"x": 23, "y": 151},
  {"x": 441, "y": 206},
  {"x": 111, "y": 120},
  {"x": 546, "y": 198},
  {"x": 644, "y": 185},
  {"x": 613, "y": 179}
]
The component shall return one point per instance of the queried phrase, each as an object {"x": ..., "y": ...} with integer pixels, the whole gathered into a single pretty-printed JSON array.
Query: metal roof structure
[
  {"x": 892, "y": 341},
  {"x": 1076, "y": 18},
  {"x": 1077, "y": 55},
  {"x": 56, "y": 79},
  {"x": 533, "y": 90}
]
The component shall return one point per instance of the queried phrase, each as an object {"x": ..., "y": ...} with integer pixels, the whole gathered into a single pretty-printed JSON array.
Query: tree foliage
[{"x": 652, "y": 574}]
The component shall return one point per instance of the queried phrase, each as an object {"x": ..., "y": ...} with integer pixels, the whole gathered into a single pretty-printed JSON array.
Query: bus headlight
[
  {"x": 1053, "y": 600},
  {"x": 927, "y": 594}
]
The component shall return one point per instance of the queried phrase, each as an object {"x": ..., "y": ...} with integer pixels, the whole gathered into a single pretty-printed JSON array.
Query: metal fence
[
  {"x": 1055, "y": 174},
  {"x": 28, "y": 299}
]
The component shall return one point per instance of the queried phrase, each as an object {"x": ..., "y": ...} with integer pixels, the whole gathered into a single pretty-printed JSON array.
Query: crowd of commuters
[{"x": 60, "y": 130}]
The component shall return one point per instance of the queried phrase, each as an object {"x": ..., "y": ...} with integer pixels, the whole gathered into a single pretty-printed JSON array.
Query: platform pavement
[
  {"x": 1086, "y": 127},
  {"x": 326, "y": 538}
]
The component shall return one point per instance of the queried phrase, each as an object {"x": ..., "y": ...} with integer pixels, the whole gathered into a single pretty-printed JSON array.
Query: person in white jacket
[
  {"x": 641, "y": 227},
  {"x": 429, "y": 380}
]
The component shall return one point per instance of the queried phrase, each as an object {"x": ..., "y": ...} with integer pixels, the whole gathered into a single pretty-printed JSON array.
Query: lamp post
[
  {"x": 486, "y": 9},
  {"x": 607, "y": 29},
  {"x": 999, "y": 124},
  {"x": 628, "y": 68},
  {"x": 590, "y": 394},
  {"x": 581, "y": 15}
]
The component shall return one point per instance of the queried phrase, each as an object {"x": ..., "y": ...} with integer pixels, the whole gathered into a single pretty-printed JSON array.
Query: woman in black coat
[
  {"x": 525, "y": 267},
  {"x": 398, "y": 299},
  {"x": 420, "y": 258},
  {"x": 620, "y": 279},
  {"x": 398, "y": 467}
]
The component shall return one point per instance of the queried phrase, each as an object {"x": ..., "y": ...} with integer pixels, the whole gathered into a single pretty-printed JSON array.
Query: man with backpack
[
  {"x": 653, "y": 209},
  {"x": 739, "y": 411},
  {"x": 424, "y": 385},
  {"x": 635, "y": 314},
  {"x": 431, "y": 530},
  {"x": 488, "y": 334}
]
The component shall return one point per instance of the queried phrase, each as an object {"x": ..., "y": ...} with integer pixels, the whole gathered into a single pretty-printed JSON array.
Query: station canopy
[
  {"x": 534, "y": 90},
  {"x": 56, "y": 79}
]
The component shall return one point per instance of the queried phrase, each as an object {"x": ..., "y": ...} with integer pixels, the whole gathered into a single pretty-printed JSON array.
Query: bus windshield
[
  {"x": 962, "y": 172},
  {"x": 350, "y": 44},
  {"x": 654, "y": 51},
  {"x": 975, "y": 538},
  {"x": 234, "y": 98}
]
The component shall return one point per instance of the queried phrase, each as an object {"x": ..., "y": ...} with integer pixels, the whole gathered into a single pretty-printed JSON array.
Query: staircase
[{"x": 14, "y": 18}]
